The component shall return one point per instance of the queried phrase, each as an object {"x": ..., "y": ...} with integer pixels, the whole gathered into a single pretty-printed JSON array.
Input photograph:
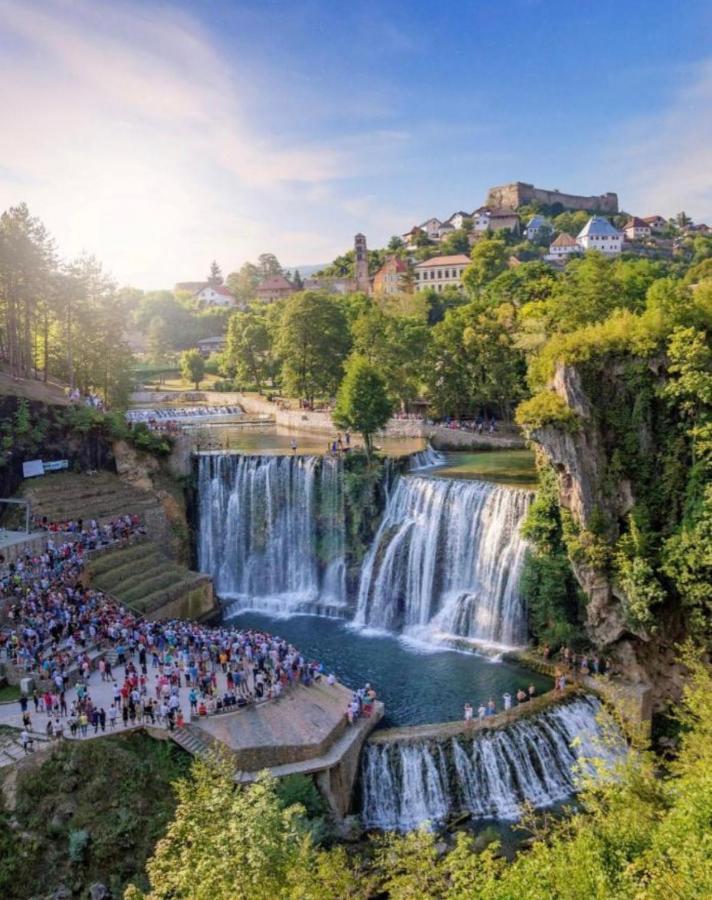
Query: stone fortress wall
[{"x": 519, "y": 192}]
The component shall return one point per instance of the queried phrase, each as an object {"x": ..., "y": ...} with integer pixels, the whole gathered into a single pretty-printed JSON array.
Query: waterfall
[
  {"x": 491, "y": 775},
  {"x": 426, "y": 459},
  {"x": 271, "y": 531},
  {"x": 445, "y": 562}
]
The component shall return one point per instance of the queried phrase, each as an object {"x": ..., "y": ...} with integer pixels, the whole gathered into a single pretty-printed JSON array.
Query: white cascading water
[
  {"x": 428, "y": 458},
  {"x": 491, "y": 775},
  {"x": 271, "y": 531},
  {"x": 446, "y": 561}
]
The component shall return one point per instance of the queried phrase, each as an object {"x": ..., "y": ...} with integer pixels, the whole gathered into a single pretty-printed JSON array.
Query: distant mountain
[{"x": 306, "y": 271}]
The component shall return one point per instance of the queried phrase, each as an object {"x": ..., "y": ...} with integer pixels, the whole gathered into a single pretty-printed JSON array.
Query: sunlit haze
[{"x": 161, "y": 136}]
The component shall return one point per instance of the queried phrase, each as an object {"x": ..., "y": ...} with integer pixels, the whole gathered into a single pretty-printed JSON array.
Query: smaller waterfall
[
  {"x": 426, "y": 459},
  {"x": 445, "y": 562},
  {"x": 533, "y": 760}
]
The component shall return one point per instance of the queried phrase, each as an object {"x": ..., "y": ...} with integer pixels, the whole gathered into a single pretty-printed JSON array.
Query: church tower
[{"x": 361, "y": 264}]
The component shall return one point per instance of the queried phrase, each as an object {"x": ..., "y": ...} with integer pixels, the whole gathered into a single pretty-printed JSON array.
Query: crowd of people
[
  {"x": 102, "y": 666},
  {"x": 484, "y": 710},
  {"x": 90, "y": 534}
]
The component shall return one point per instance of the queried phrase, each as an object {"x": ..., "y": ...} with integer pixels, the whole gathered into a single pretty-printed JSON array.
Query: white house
[
  {"x": 535, "y": 226},
  {"x": 656, "y": 223},
  {"x": 636, "y": 229},
  {"x": 490, "y": 218},
  {"x": 563, "y": 247},
  {"x": 214, "y": 295},
  {"x": 432, "y": 228},
  {"x": 599, "y": 234},
  {"x": 441, "y": 272},
  {"x": 457, "y": 220}
]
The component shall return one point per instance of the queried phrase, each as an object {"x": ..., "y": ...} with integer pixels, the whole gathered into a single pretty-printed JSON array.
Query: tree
[
  {"x": 397, "y": 345},
  {"x": 248, "y": 353},
  {"x": 363, "y": 403},
  {"x": 192, "y": 367},
  {"x": 489, "y": 258},
  {"x": 298, "y": 281},
  {"x": 156, "y": 340},
  {"x": 268, "y": 265},
  {"x": 242, "y": 284},
  {"x": 313, "y": 342},
  {"x": 474, "y": 364},
  {"x": 215, "y": 277}
]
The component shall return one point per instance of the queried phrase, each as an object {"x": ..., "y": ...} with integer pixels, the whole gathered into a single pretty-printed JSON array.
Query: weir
[{"x": 489, "y": 774}]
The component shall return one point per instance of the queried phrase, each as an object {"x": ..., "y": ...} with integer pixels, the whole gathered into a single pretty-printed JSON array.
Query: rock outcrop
[{"x": 592, "y": 494}]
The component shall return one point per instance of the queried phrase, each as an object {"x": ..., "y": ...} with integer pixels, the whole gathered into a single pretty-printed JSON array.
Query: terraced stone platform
[
  {"x": 70, "y": 495},
  {"x": 143, "y": 577}
]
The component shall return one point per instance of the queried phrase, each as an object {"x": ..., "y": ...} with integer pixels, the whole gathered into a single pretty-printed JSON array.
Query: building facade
[
  {"x": 441, "y": 272},
  {"x": 519, "y": 193},
  {"x": 599, "y": 234},
  {"x": 563, "y": 247},
  {"x": 391, "y": 277},
  {"x": 274, "y": 288},
  {"x": 214, "y": 295},
  {"x": 636, "y": 229}
]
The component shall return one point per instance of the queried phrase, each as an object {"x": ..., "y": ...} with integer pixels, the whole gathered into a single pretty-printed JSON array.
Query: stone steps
[{"x": 191, "y": 741}]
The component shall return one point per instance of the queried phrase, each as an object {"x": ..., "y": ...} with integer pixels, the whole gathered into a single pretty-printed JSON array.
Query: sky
[{"x": 160, "y": 136}]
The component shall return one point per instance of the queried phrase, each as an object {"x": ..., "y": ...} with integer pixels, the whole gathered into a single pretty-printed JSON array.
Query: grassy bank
[{"x": 91, "y": 812}]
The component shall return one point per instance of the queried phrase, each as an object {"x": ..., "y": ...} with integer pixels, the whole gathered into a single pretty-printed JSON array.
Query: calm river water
[{"x": 418, "y": 684}]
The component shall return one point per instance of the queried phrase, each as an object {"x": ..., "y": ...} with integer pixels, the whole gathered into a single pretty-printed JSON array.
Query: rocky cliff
[{"x": 596, "y": 495}]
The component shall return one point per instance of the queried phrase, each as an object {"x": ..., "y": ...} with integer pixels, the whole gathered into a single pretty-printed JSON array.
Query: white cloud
[
  {"x": 128, "y": 139},
  {"x": 664, "y": 160}
]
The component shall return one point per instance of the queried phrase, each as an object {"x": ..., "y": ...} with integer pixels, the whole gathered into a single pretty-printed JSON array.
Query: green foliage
[
  {"x": 474, "y": 365},
  {"x": 554, "y": 601},
  {"x": 249, "y": 355},
  {"x": 362, "y": 403},
  {"x": 489, "y": 258},
  {"x": 301, "y": 790},
  {"x": 313, "y": 341},
  {"x": 395, "y": 345},
  {"x": 192, "y": 367},
  {"x": 90, "y": 812},
  {"x": 546, "y": 408}
]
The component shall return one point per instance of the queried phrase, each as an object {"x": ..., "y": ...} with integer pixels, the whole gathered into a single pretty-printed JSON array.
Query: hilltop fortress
[{"x": 518, "y": 193}]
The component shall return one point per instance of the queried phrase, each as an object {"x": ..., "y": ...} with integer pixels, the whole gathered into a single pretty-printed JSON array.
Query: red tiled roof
[
  {"x": 458, "y": 259},
  {"x": 564, "y": 240},
  {"x": 275, "y": 283},
  {"x": 635, "y": 222}
]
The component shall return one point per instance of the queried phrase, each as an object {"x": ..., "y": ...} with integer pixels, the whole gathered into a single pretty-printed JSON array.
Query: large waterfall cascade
[
  {"x": 271, "y": 531},
  {"x": 446, "y": 561},
  {"x": 490, "y": 775}
]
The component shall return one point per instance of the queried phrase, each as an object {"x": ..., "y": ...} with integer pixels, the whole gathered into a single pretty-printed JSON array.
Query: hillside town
[{"x": 544, "y": 225}]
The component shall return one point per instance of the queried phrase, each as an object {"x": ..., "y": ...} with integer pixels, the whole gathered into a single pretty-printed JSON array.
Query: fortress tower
[{"x": 363, "y": 282}]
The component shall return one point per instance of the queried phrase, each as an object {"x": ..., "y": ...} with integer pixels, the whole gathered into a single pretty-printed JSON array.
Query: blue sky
[{"x": 162, "y": 135}]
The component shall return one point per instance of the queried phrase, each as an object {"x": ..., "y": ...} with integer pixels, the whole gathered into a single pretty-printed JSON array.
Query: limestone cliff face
[{"x": 587, "y": 490}]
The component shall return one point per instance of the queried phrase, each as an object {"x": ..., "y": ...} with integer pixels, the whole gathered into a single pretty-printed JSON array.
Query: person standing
[{"x": 507, "y": 698}]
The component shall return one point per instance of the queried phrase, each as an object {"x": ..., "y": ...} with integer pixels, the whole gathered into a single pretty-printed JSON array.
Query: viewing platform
[{"x": 304, "y": 732}]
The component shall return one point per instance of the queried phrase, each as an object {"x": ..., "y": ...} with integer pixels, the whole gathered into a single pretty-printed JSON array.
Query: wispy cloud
[
  {"x": 664, "y": 160},
  {"x": 129, "y": 138}
]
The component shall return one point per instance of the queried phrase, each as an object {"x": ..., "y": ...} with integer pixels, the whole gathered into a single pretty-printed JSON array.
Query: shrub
[{"x": 546, "y": 408}]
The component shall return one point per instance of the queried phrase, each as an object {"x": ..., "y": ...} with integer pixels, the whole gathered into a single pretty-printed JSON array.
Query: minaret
[{"x": 363, "y": 282}]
